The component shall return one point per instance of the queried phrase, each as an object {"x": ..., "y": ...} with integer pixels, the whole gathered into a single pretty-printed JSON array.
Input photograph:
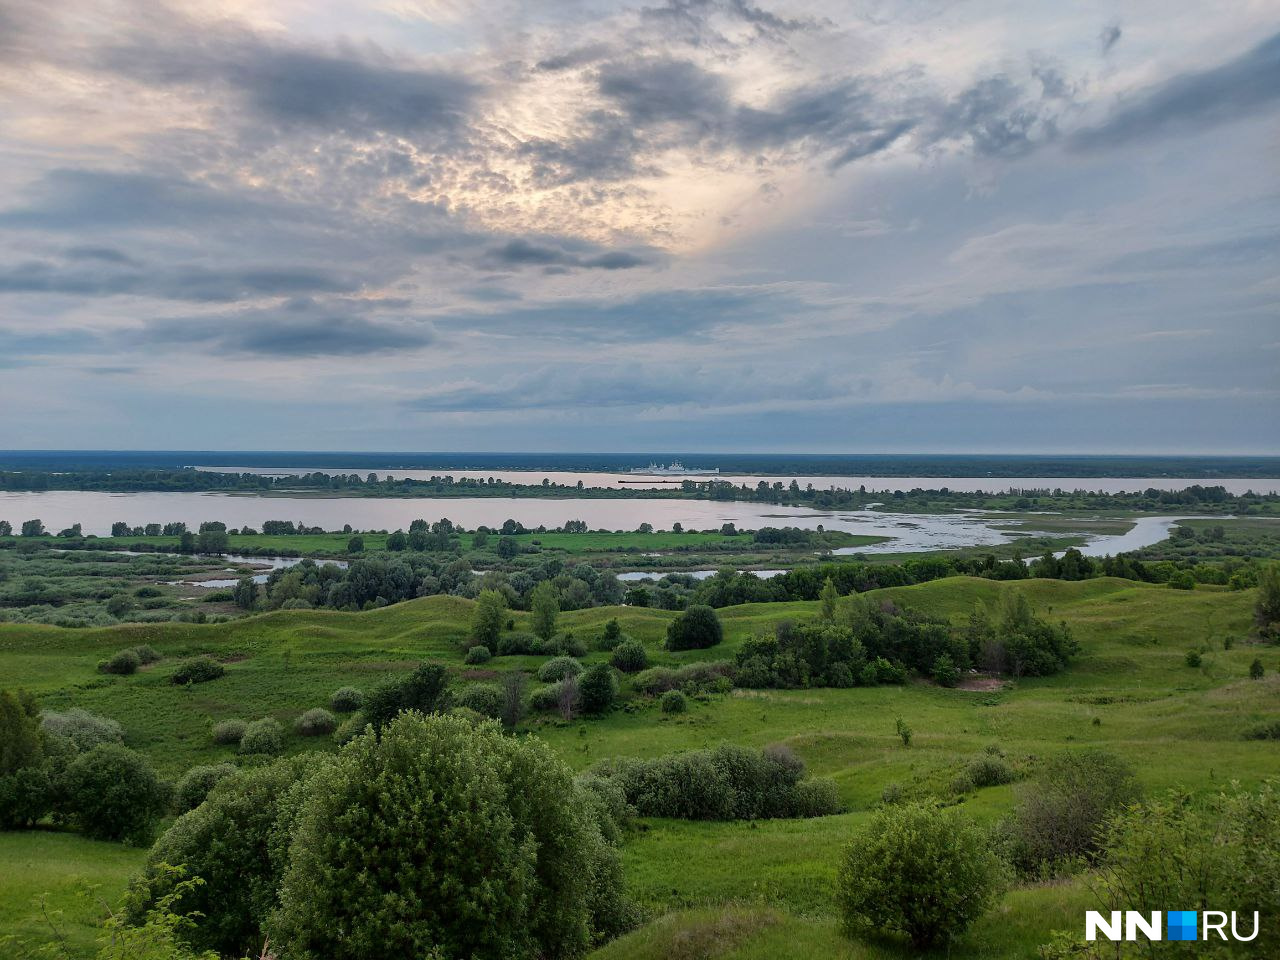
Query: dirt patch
[{"x": 982, "y": 684}]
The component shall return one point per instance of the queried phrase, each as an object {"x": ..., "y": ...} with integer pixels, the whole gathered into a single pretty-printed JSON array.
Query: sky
[{"x": 706, "y": 225}]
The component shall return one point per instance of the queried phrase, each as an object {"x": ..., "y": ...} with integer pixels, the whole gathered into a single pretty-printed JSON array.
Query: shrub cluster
[
  {"x": 198, "y": 670},
  {"x": 315, "y": 722},
  {"x": 484, "y": 698},
  {"x": 228, "y": 731},
  {"x": 263, "y": 736},
  {"x": 715, "y": 676},
  {"x": 338, "y": 857},
  {"x": 629, "y": 656},
  {"x": 558, "y": 668},
  {"x": 122, "y": 662},
  {"x": 725, "y": 783},
  {"x": 425, "y": 690},
  {"x": 1058, "y": 817},
  {"x": 920, "y": 872},
  {"x": 477, "y": 655},
  {"x": 196, "y": 783},
  {"x": 83, "y": 729},
  {"x": 673, "y": 701},
  {"x": 695, "y": 629},
  {"x": 346, "y": 700}
]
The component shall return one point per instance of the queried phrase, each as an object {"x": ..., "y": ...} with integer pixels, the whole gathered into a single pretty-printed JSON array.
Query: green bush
[
  {"x": 630, "y": 656},
  {"x": 350, "y": 728},
  {"x": 558, "y": 668},
  {"x": 315, "y": 722},
  {"x": 346, "y": 700},
  {"x": 1223, "y": 849},
  {"x": 198, "y": 670},
  {"x": 83, "y": 729},
  {"x": 1058, "y": 817},
  {"x": 989, "y": 771},
  {"x": 673, "y": 701},
  {"x": 112, "y": 793},
  {"x": 696, "y": 629},
  {"x": 726, "y": 783},
  {"x": 263, "y": 736},
  {"x": 708, "y": 675},
  {"x": 146, "y": 653},
  {"x": 505, "y": 862},
  {"x": 1192, "y": 659},
  {"x": 484, "y": 698},
  {"x": 229, "y": 731},
  {"x": 518, "y": 643},
  {"x": 196, "y": 783},
  {"x": 1268, "y": 730},
  {"x": 612, "y": 635},
  {"x": 945, "y": 672},
  {"x": 920, "y": 872},
  {"x": 425, "y": 690},
  {"x": 477, "y": 655},
  {"x": 549, "y": 697},
  {"x": 27, "y": 795},
  {"x": 597, "y": 688},
  {"x": 231, "y": 843},
  {"x": 123, "y": 662}
]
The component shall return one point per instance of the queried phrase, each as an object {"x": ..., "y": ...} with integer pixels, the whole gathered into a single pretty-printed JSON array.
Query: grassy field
[{"x": 738, "y": 889}]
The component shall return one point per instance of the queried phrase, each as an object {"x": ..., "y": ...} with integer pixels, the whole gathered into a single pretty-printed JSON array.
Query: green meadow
[{"x": 738, "y": 889}]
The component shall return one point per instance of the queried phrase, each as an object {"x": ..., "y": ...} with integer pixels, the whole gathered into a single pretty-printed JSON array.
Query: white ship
[{"x": 674, "y": 469}]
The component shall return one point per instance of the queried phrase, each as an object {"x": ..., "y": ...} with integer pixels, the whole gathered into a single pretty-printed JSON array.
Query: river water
[
  {"x": 642, "y": 481},
  {"x": 907, "y": 532}
]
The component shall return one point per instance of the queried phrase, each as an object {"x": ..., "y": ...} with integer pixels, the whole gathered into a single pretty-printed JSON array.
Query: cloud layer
[{"x": 599, "y": 224}]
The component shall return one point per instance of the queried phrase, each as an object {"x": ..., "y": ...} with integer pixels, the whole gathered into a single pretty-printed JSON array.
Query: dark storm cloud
[
  {"x": 215, "y": 285},
  {"x": 671, "y": 314},
  {"x": 1109, "y": 36},
  {"x": 298, "y": 330},
  {"x": 522, "y": 253},
  {"x": 354, "y": 92},
  {"x": 67, "y": 199},
  {"x": 1194, "y": 101}
]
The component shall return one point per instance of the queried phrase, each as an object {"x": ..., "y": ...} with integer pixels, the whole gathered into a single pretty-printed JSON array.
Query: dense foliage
[
  {"x": 918, "y": 871},
  {"x": 724, "y": 783},
  {"x": 441, "y": 838}
]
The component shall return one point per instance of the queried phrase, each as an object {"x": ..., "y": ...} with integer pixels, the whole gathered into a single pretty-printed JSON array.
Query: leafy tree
[
  {"x": 33, "y": 528},
  {"x": 1266, "y": 609},
  {"x": 355, "y": 545},
  {"x": 487, "y": 619},
  {"x": 915, "y": 870},
  {"x": 230, "y": 844},
  {"x": 6, "y": 528},
  {"x": 1057, "y": 817},
  {"x": 212, "y": 541},
  {"x": 597, "y": 688},
  {"x": 828, "y": 598},
  {"x": 904, "y": 731},
  {"x": 245, "y": 594},
  {"x": 945, "y": 672},
  {"x": 397, "y": 542},
  {"x": 196, "y": 783},
  {"x": 544, "y": 604},
  {"x": 696, "y": 629},
  {"x": 1255, "y": 669},
  {"x": 425, "y": 690},
  {"x": 513, "y": 707},
  {"x": 503, "y": 862},
  {"x": 630, "y": 656},
  {"x": 21, "y": 738},
  {"x": 113, "y": 793},
  {"x": 507, "y": 548}
]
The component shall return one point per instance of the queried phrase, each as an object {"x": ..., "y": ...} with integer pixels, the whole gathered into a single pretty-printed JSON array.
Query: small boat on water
[{"x": 674, "y": 469}]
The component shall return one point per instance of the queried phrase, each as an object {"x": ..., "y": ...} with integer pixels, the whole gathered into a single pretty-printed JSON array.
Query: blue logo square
[{"x": 1182, "y": 925}]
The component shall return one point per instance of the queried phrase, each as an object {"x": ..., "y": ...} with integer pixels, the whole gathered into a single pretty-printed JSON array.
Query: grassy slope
[{"x": 1175, "y": 724}]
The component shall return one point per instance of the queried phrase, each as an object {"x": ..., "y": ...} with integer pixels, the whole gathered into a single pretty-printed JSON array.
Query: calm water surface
[{"x": 908, "y": 532}]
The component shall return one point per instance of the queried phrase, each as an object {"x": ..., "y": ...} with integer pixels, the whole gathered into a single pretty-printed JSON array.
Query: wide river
[
  {"x": 622, "y": 481},
  {"x": 96, "y": 512}
]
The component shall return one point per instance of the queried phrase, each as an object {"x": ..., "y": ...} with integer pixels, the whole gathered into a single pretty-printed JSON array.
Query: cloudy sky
[{"x": 892, "y": 225}]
